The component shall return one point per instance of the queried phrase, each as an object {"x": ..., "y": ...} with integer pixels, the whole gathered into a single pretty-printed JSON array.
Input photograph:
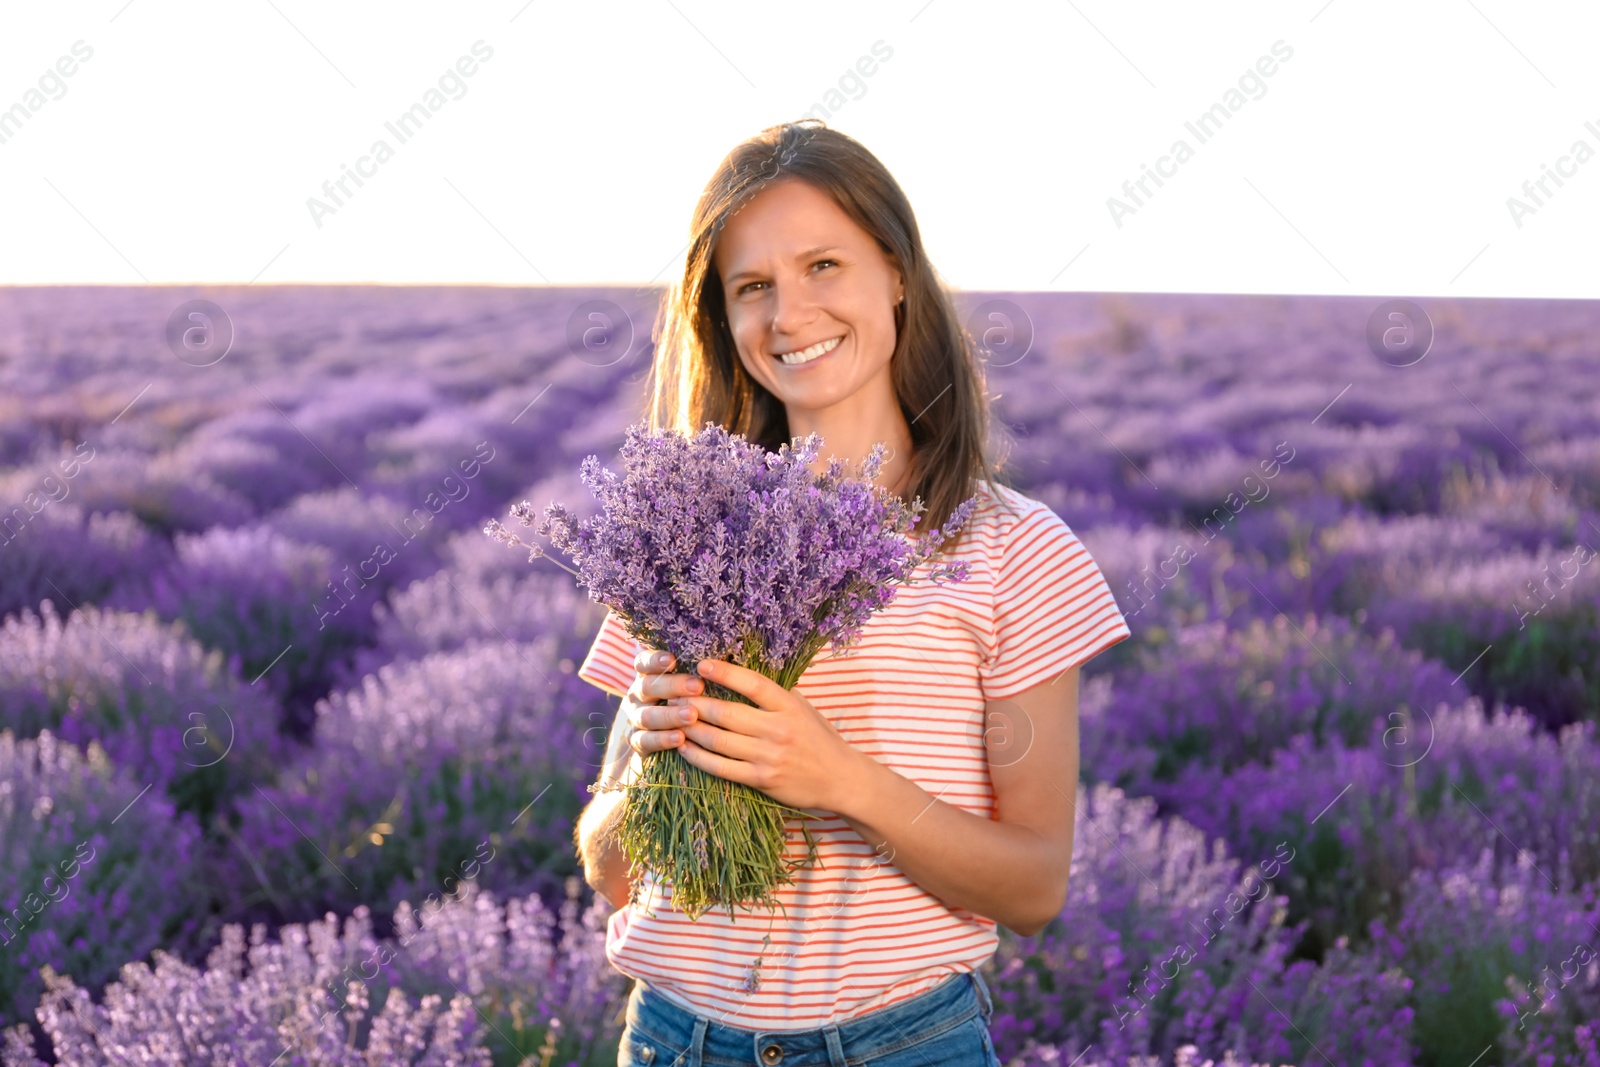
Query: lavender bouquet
[{"x": 712, "y": 547}]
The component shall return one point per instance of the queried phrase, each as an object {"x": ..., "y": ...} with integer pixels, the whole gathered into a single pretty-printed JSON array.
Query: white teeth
[{"x": 806, "y": 355}]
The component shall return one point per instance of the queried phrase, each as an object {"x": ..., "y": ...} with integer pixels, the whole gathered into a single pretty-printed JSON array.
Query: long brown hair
[{"x": 696, "y": 376}]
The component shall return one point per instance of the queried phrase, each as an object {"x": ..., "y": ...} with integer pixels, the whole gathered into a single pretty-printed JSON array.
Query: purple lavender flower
[
  {"x": 412, "y": 770},
  {"x": 1221, "y": 697},
  {"x": 1165, "y": 938},
  {"x": 68, "y": 554},
  {"x": 712, "y": 547},
  {"x": 1500, "y": 957},
  {"x": 284, "y": 608},
  {"x": 94, "y": 870},
  {"x": 454, "y": 981},
  {"x": 165, "y": 708}
]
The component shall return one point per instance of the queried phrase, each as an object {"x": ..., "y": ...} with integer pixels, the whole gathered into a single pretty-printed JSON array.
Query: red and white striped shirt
[{"x": 858, "y": 935}]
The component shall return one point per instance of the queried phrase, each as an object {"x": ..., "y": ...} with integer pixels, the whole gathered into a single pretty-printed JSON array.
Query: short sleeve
[
  {"x": 1053, "y": 607},
  {"x": 609, "y": 663}
]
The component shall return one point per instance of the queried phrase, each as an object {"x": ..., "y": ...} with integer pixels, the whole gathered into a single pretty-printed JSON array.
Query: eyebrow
[{"x": 807, "y": 254}]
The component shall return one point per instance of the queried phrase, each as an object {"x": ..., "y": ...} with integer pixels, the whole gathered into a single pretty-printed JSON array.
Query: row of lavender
[
  {"x": 1149, "y": 899},
  {"x": 1339, "y": 829},
  {"x": 304, "y": 453},
  {"x": 274, "y": 512}
]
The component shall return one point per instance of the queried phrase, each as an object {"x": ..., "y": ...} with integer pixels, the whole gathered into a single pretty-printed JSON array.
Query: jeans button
[
  {"x": 772, "y": 1055},
  {"x": 647, "y": 1054}
]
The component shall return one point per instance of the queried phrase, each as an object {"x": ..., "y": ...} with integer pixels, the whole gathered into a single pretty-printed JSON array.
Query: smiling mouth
[{"x": 806, "y": 355}]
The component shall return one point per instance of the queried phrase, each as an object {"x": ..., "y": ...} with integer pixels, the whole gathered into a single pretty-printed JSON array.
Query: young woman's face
[{"x": 798, "y": 275}]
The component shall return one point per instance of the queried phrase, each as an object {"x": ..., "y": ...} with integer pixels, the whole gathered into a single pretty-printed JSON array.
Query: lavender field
[{"x": 291, "y": 753}]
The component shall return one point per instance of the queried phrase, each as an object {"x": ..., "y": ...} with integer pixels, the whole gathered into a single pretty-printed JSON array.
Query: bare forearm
[
  {"x": 605, "y": 864},
  {"x": 1003, "y": 871}
]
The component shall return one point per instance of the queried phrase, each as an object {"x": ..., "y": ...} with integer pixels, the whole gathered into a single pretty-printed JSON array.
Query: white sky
[{"x": 1379, "y": 160}]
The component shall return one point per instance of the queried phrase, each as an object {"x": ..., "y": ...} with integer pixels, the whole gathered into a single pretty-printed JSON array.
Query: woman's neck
[{"x": 853, "y": 442}]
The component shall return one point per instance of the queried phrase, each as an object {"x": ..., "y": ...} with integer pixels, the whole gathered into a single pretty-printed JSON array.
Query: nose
[{"x": 792, "y": 308}]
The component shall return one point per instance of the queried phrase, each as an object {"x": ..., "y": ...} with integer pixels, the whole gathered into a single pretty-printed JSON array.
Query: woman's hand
[
  {"x": 783, "y": 746},
  {"x": 652, "y": 725}
]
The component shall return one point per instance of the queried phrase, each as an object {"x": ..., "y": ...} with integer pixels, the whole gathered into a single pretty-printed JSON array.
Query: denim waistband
[{"x": 952, "y": 1003}]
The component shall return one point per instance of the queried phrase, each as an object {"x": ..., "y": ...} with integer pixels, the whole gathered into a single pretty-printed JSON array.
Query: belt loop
[
  {"x": 835, "y": 1047},
  {"x": 697, "y": 1044},
  {"x": 985, "y": 1002}
]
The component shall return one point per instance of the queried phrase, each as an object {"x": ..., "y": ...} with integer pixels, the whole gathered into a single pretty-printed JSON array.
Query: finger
[
  {"x": 648, "y": 716},
  {"x": 640, "y": 689},
  {"x": 645, "y": 742},
  {"x": 667, "y": 716},
  {"x": 637, "y": 692},
  {"x": 722, "y": 742},
  {"x": 652, "y": 661},
  {"x": 659, "y": 686},
  {"x": 721, "y": 766},
  {"x": 742, "y": 680},
  {"x": 665, "y": 686},
  {"x": 729, "y": 715}
]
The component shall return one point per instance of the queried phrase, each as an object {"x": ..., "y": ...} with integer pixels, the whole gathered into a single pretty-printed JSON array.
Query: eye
[{"x": 747, "y": 286}]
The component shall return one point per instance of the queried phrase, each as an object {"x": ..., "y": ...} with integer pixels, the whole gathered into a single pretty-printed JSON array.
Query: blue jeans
[{"x": 947, "y": 1026}]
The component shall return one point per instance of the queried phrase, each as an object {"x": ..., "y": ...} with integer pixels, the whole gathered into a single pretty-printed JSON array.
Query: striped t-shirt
[{"x": 857, "y": 935}]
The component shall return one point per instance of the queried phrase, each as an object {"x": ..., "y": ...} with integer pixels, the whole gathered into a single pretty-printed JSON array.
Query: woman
[{"x": 942, "y": 752}]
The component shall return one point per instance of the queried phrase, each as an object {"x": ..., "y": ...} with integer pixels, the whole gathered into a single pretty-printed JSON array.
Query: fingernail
[
  {"x": 685, "y": 715},
  {"x": 663, "y": 658},
  {"x": 694, "y": 685}
]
